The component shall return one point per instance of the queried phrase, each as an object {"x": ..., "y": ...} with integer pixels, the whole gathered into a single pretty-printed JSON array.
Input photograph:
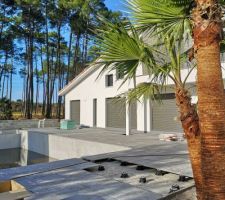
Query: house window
[
  {"x": 109, "y": 80},
  {"x": 119, "y": 74}
]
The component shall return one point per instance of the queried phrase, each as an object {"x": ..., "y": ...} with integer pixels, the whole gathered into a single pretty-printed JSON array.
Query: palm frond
[
  {"x": 122, "y": 48},
  {"x": 170, "y": 17},
  {"x": 146, "y": 90}
]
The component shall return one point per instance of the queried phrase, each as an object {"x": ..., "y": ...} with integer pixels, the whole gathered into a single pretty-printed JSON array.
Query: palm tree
[
  {"x": 207, "y": 33},
  {"x": 125, "y": 50},
  {"x": 206, "y": 21},
  {"x": 171, "y": 20}
]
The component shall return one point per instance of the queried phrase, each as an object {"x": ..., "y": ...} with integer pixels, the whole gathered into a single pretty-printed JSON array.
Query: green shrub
[{"x": 5, "y": 109}]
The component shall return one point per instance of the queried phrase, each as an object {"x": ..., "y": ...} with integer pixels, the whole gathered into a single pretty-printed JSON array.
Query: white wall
[{"x": 90, "y": 89}]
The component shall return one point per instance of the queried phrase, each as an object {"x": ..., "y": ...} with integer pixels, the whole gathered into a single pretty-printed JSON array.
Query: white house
[{"x": 91, "y": 101}]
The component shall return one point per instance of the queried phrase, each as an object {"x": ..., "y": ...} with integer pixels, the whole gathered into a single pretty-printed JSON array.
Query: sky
[{"x": 114, "y": 5}]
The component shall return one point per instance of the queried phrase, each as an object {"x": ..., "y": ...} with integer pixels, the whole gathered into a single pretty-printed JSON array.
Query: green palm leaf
[
  {"x": 146, "y": 90},
  {"x": 123, "y": 49},
  {"x": 169, "y": 17}
]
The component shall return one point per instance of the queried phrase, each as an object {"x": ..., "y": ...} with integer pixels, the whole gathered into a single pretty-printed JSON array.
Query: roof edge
[{"x": 78, "y": 79}]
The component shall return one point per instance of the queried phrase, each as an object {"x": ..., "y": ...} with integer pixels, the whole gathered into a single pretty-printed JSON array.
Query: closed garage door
[
  {"x": 116, "y": 113},
  {"x": 133, "y": 113},
  {"x": 165, "y": 115},
  {"x": 75, "y": 111}
]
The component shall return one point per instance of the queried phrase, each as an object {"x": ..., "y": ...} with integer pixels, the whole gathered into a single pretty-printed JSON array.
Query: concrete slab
[
  {"x": 70, "y": 183},
  {"x": 177, "y": 165},
  {"x": 68, "y": 180},
  {"x": 107, "y": 136},
  {"x": 169, "y": 157},
  {"x": 8, "y": 174},
  {"x": 154, "y": 183},
  {"x": 143, "y": 149},
  {"x": 84, "y": 197}
]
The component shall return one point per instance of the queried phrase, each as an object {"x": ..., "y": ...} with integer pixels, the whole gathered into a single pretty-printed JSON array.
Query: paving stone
[
  {"x": 171, "y": 158},
  {"x": 85, "y": 197},
  {"x": 71, "y": 183},
  {"x": 7, "y": 174}
]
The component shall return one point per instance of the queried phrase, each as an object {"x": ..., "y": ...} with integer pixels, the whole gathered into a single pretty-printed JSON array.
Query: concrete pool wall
[
  {"x": 10, "y": 140},
  {"x": 31, "y": 123},
  {"x": 55, "y": 146}
]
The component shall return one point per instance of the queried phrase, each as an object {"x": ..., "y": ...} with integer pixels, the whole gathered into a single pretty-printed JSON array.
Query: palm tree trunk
[
  {"x": 190, "y": 123},
  {"x": 211, "y": 107},
  {"x": 211, "y": 97}
]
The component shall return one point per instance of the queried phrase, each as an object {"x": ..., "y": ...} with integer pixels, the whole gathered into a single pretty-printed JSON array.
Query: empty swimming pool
[{"x": 20, "y": 157}]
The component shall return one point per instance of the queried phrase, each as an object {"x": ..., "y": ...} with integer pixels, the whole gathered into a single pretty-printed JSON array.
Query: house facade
[{"x": 92, "y": 100}]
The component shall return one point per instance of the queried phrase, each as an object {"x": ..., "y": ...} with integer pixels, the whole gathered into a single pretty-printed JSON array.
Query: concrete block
[{"x": 8, "y": 141}]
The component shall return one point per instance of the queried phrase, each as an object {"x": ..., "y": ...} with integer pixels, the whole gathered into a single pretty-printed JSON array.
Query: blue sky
[{"x": 115, "y": 5}]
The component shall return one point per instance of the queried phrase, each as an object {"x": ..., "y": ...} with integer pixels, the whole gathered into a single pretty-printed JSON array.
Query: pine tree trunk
[
  {"x": 76, "y": 53},
  {"x": 211, "y": 98},
  {"x": 86, "y": 48},
  {"x": 7, "y": 86},
  {"x": 69, "y": 57},
  {"x": 2, "y": 23},
  {"x": 11, "y": 79},
  {"x": 190, "y": 123},
  {"x": 2, "y": 74},
  {"x": 37, "y": 86},
  {"x": 48, "y": 105},
  {"x": 44, "y": 87},
  {"x": 3, "y": 85},
  {"x": 31, "y": 76}
]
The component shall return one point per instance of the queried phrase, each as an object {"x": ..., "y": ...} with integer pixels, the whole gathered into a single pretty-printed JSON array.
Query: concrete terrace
[
  {"x": 68, "y": 179},
  {"x": 138, "y": 148},
  {"x": 110, "y": 136},
  {"x": 81, "y": 151}
]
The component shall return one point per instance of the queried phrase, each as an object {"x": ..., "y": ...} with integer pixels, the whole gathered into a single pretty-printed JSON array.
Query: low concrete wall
[
  {"x": 18, "y": 124},
  {"x": 60, "y": 147},
  {"x": 55, "y": 146},
  {"x": 9, "y": 141}
]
